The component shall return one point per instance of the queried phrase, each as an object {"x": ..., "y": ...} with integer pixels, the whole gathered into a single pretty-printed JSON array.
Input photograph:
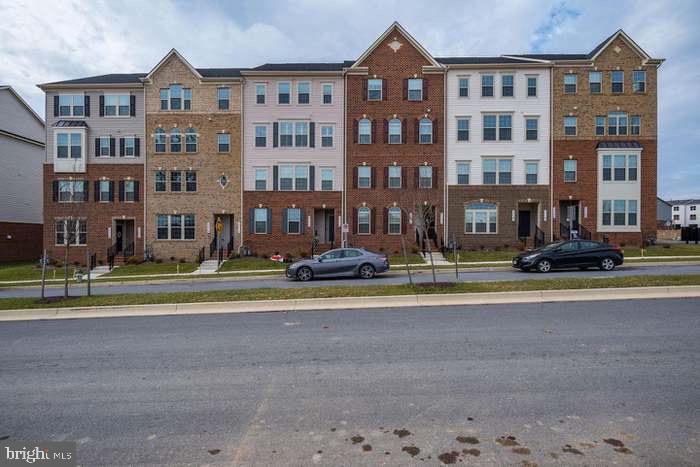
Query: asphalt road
[
  {"x": 301, "y": 388},
  {"x": 393, "y": 277}
]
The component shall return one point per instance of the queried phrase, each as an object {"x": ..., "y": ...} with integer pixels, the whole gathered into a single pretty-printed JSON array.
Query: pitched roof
[
  {"x": 113, "y": 78},
  {"x": 619, "y": 145},
  {"x": 220, "y": 72},
  {"x": 684, "y": 201},
  {"x": 335, "y": 66},
  {"x": 409, "y": 38},
  {"x": 554, "y": 56},
  {"x": 479, "y": 60},
  {"x": 23, "y": 102}
]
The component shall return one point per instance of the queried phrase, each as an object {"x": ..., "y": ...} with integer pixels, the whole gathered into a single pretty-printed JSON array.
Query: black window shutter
[
  {"x": 251, "y": 220},
  {"x": 55, "y": 106},
  {"x": 386, "y": 177},
  {"x": 416, "y": 176},
  {"x": 373, "y": 171},
  {"x": 354, "y": 178},
  {"x": 303, "y": 221},
  {"x": 373, "y": 126},
  {"x": 284, "y": 220},
  {"x": 405, "y": 89},
  {"x": 112, "y": 147},
  {"x": 111, "y": 191},
  {"x": 136, "y": 190},
  {"x": 374, "y": 220},
  {"x": 137, "y": 147},
  {"x": 384, "y": 92},
  {"x": 435, "y": 177},
  {"x": 386, "y": 131},
  {"x": 355, "y": 125},
  {"x": 312, "y": 178},
  {"x": 102, "y": 105},
  {"x": 87, "y": 106},
  {"x": 403, "y": 222},
  {"x": 86, "y": 189},
  {"x": 425, "y": 89},
  {"x": 364, "y": 89},
  {"x": 275, "y": 132},
  {"x": 436, "y": 132},
  {"x": 403, "y": 131},
  {"x": 416, "y": 131},
  {"x": 385, "y": 220},
  {"x": 97, "y": 190},
  {"x": 97, "y": 147},
  {"x": 55, "y": 190},
  {"x": 404, "y": 177},
  {"x": 275, "y": 175},
  {"x": 312, "y": 134},
  {"x": 121, "y": 190},
  {"x": 269, "y": 220},
  {"x": 354, "y": 221},
  {"x": 132, "y": 105},
  {"x": 121, "y": 147}
]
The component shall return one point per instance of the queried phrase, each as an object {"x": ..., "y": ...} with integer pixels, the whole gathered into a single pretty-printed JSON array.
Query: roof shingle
[{"x": 619, "y": 145}]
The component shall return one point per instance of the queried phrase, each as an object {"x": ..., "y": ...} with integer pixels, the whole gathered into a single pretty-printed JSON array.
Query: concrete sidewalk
[{"x": 347, "y": 303}]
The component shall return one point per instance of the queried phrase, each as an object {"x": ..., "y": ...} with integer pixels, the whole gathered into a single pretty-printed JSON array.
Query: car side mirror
[{"x": 320, "y": 260}]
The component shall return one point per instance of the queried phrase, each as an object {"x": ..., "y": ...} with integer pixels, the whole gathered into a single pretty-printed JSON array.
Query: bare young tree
[{"x": 423, "y": 215}]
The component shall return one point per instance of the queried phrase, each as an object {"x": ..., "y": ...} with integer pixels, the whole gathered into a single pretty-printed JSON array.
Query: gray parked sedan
[{"x": 341, "y": 262}]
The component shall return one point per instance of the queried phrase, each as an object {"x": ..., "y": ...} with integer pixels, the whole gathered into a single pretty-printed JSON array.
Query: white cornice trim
[{"x": 410, "y": 39}]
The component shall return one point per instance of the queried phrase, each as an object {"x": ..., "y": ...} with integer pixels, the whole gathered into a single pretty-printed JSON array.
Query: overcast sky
[{"x": 43, "y": 41}]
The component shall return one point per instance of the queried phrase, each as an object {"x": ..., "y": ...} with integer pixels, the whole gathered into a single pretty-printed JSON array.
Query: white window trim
[
  {"x": 133, "y": 139},
  {"x": 294, "y": 134},
  {"x": 72, "y": 191},
  {"x": 618, "y": 228},
  {"x": 635, "y": 82},
  {"x": 71, "y": 94},
  {"x": 469, "y": 85},
  {"x": 408, "y": 89},
  {"x": 498, "y": 127},
  {"x": 255, "y": 222},
  {"x": 469, "y": 172},
  {"x": 575, "y": 171},
  {"x": 469, "y": 130},
  {"x": 323, "y": 84},
  {"x": 400, "y": 177},
  {"x": 301, "y": 220},
  {"x": 369, "y": 221},
  {"x": 481, "y": 85},
  {"x": 117, "y": 95},
  {"x": 388, "y": 220},
  {"x": 182, "y": 227},
  {"x": 537, "y": 173},
  {"x": 381, "y": 90},
  {"x": 498, "y": 169},
  {"x": 291, "y": 93},
  {"x": 525, "y": 119},
  {"x": 294, "y": 177},
  {"x": 267, "y": 135},
  {"x": 255, "y": 92},
  {"x": 82, "y": 134},
  {"x": 218, "y": 88},
  {"x": 575, "y": 84},
  {"x": 320, "y": 178},
  {"x": 359, "y": 186},
  {"x": 527, "y": 86},
  {"x": 619, "y": 152},
  {"x": 298, "y": 83},
  {"x": 501, "y": 74},
  {"x": 320, "y": 135},
  {"x": 65, "y": 231},
  {"x": 401, "y": 135},
  {"x": 488, "y": 211},
  {"x": 575, "y": 127},
  {"x": 612, "y": 72},
  {"x": 267, "y": 177}
]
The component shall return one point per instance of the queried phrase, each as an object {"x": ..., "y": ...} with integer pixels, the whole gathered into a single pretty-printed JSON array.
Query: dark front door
[
  {"x": 523, "y": 224},
  {"x": 120, "y": 237},
  {"x": 330, "y": 226}
]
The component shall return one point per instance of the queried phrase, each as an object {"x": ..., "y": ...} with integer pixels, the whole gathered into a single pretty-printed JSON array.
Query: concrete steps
[
  {"x": 210, "y": 266},
  {"x": 438, "y": 259}
]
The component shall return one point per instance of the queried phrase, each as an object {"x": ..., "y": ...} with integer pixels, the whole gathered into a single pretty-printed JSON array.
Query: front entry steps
[
  {"x": 210, "y": 266},
  {"x": 438, "y": 259},
  {"x": 99, "y": 271}
]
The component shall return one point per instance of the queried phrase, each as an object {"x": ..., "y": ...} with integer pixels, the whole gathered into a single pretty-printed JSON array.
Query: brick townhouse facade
[
  {"x": 293, "y": 141},
  {"x": 394, "y": 144},
  {"x": 93, "y": 171},
  {"x": 193, "y": 168},
  {"x": 499, "y": 151}
]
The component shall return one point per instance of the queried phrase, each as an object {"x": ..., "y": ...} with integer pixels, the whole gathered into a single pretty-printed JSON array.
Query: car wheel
[
  {"x": 366, "y": 271},
  {"x": 607, "y": 264},
  {"x": 544, "y": 265},
  {"x": 305, "y": 274}
]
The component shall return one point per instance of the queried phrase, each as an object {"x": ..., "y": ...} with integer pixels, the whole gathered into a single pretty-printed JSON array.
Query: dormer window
[{"x": 71, "y": 105}]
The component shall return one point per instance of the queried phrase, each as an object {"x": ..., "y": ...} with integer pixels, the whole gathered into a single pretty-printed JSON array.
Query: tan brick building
[
  {"x": 193, "y": 170},
  {"x": 394, "y": 150}
]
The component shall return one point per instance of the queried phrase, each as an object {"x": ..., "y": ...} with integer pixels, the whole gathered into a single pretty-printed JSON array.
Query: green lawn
[
  {"x": 151, "y": 268},
  {"x": 413, "y": 258},
  {"x": 29, "y": 271},
  {"x": 660, "y": 250},
  {"x": 482, "y": 255},
  {"x": 250, "y": 263},
  {"x": 331, "y": 291}
]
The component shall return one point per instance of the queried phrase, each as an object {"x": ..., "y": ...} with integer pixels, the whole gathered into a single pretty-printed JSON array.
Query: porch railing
[
  {"x": 111, "y": 253},
  {"x": 128, "y": 250},
  {"x": 564, "y": 231},
  {"x": 539, "y": 237},
  {"x": 229, "y": 247},
  {"x": 201, "y": 255},
  {"x": 212, "y": 247},
  {"x": 583, "y": 233}
]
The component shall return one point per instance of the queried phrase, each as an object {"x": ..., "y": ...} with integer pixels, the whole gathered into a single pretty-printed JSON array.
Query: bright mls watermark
[{"x": 40, "y": 453}]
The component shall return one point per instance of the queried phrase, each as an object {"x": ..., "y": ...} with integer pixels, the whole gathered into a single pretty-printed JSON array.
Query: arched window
[
  {"x": 394, "y": 220},
  {"x": 363, "y": 221},
  {"x": 426, "y": 131},
  {"x": 191, "y": 140},
  {"x": 480, "y": 218},
  {"x": 395, "y": 131},
  {"x": 175, "y": 140},
  {"x": 159, "y": 139},
  {"x": 364, "y": 128}
]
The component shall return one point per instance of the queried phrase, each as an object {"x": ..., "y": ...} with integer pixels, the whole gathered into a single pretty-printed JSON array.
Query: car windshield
[
  {"x": 334, "y": 254},
  {"x": 551, "y": 246}
]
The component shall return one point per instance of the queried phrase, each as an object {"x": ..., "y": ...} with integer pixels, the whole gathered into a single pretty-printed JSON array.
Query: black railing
[
  {"x": 564, "y": 232},
  {"x": 111, "y": 253},
  {"x": 128, "y": 251},
  {"x": 539, "y": 237},
  {"x": 583, "y": 233},
  {"x": 93, "y": 262},
  {"x": 229, "y": 247},
  {"x": 212, "y": 247},
  {"x": 201, "y": 255}
]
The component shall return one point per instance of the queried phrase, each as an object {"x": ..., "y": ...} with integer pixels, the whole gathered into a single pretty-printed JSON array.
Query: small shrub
[
  {"x": 506, "y": 245},
  {"x": 498, "y": 248},
  {"x": 57, "y": 263},
  {"x": 100, "y": 262},
  {"x": 414, "y": 250},
  {"x": 623, "y": 244},
  {"x": 133, "y": 260},
  {"x": 481, "y": 247},
  {"x": 396, "y": 252},
  {"x": 303, "y": 254},
  {"x": 666, "y": 245},
  {"x": 159, "y": 260},
  {"x": 172, "y": 258},
  {"x": 76, "y": 263},
  {"x": 381, "y": 249},
  {"x": 183, "y": 260}
]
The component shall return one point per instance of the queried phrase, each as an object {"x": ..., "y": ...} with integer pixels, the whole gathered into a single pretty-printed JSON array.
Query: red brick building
[{"x": 394, "y": 148}]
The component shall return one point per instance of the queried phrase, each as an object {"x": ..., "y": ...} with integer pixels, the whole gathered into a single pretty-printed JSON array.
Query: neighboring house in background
[
  {"x": 22, "y": 146},
  {"x": 685, "y": 212},
  {"x": 664, "y": 213},
  {"x": 93, "y": 172}
]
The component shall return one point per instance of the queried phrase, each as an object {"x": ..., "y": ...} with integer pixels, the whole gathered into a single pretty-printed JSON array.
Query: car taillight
[
  {"x": 383, "y": 258},
  {"x": 618, "y": 249}
]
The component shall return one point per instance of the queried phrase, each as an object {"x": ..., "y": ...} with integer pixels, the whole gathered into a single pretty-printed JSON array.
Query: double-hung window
[
  {"x": 531, "y": 170},
  {"x": 639, "y": 81},
  {"x": 104, "y": 191},
  {"x": 159, "y": 139},
  {"x": 69, "y": 145},
  {"x": 71, "y": 191},
  {"x": 293, "y": 177},
  {"x": 223, "y": 97},
  {"x": 490, "y": 125},
  {"x": 117, "y": 105},
  {"x": 176, "y": 181},
  {"x": 190, "y": 140},
  {"x": 326, "y": 136},
  {"x": 635, "y": 125},
  {"x": 364, "y": 176},
  {"x": 301, "y": 134},
  {"x": 71, "y": 105},
  {"x": 617, "y": 79},
  {"x": 130, "y": 147},
  {"x": 394, "y": 127},
  {"x": 293, "y": 220},
  {"x": 175, "y": 226},
  {"x": 129, "y": 191},
  {"x": 363, "y": 221},
  {"x": 286, "y": 130},
  {"x": 569, "y": 83},
  {"x": 224, "y": 142},
  {"x": 374, "y": 89},
  {"x": 190, "y": 181},
  {"x": 260, "y": 93},
  {"x": 327, "y": 93},
  {"x": 619, "y": 212},
  {"x": 261, "y": 179},
  {"x": 505, "y": 127},
  {"x": 570, "y": 126},
  {"x": 497, "y": 171},
  {"x": 283, "y": 92},
  {"x": 160, "y": 185},
  {"x": 463, "y": 87},
  {"x": 364, "y": 128},
  {"x": 415, "y": 89},
  {"x": 71, "y": 231},
  {"x": 260, "y": 136},
  {"x": 463, "y": 173},
  {"x": 105, "y": 147},
  {"x": 632, "y": 168},
  {"x": 480, "y": 218},
  {"x": 425, "y": 176},
  {"x": 394, "y": 173},
  {"x": 303, "y": 92},
  {"x": 497, "y": 127},
  {"x": 531, "y": 128},
  {"x": 617, "y": 123},
  {"x": 486, "y": 85},
  {"x": 570, "y": 166},
  {"x": 425, "y": 129},
  {"x": 620, "y": 168},
  {"x": 532, "y": 86},
  {"x": 301, "y": 177},
  {"x": 175, "y": 140},
  {"x": 507, "y": 89},
  {"x": 176, "y": 98},
  {"x": 394, "y": 221},
  {"x": 600, "y": 125},
  {"x": 595, "y": 81},
  {"x": 327, "y": 176},
  {"x": 286, "y": 177},
  {"x": 462, "y": 129},
  {"x": 294, "y": 134},
  {"x": 260, "y": 221}
]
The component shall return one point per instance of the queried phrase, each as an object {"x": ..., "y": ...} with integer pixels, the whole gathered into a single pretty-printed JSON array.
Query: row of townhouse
[{"x": 181, "y": 162}]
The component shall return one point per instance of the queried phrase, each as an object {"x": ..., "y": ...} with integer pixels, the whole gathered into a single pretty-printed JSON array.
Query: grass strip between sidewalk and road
[{"x": 342, "y": 291}]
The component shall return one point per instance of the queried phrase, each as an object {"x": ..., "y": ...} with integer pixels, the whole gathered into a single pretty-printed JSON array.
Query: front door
[
  {"x": 523, "y": 224},
  {"x": 330, "y": 226},
  {"x": 119, "y": 236}
]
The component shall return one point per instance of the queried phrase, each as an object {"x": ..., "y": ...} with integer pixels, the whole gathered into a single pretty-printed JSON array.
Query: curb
[{"x": 348, "y": 303}]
